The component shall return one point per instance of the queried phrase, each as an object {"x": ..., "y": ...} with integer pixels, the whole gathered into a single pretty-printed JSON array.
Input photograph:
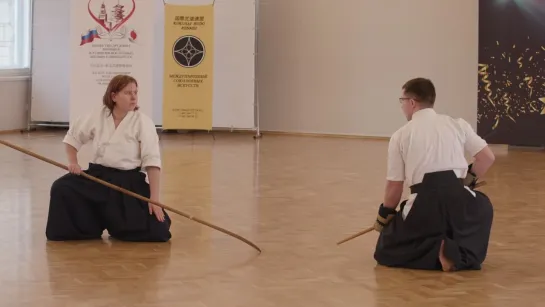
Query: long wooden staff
[
  {"x": 356, "y": 235},
  {"x": 133, "y": 194},
  {"x": 361, "y": 233}
]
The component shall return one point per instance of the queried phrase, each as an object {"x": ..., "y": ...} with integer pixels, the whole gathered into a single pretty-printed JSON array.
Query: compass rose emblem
[{"x": 188, "y": 51}]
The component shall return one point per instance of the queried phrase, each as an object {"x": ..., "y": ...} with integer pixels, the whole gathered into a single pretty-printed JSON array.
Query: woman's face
[{"x": 127, "y": 99}]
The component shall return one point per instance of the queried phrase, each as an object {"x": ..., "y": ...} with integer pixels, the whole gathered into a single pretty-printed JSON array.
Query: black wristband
[
  {"x": 383, "y": 212},
  {"x": 470, "y": 171}
]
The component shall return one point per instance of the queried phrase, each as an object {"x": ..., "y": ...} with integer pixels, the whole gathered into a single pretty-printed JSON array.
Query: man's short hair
[{"x": 420, "y": 89}]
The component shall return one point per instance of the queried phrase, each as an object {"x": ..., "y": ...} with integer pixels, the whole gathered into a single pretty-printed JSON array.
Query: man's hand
[
  {"x": 471, "y": 179},
  {"x": 158, "y": 211},
  {"x": 385, "y": 215}
]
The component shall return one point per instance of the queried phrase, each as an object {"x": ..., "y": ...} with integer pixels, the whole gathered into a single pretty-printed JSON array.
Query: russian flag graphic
[{"x": 89, "y": 37}]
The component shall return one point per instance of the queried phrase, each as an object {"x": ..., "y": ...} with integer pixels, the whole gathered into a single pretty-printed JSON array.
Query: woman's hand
[
  {"x": 73, "y": 165},
  {"x": 74, "y": 168},
  {"x": 158, "y": 211},
  {"x": 154, "y": 176}
]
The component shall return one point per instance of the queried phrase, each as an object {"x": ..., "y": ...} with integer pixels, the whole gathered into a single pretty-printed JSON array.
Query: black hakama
[
  {"x": 81, "y": 209},
  {"x": 442, "y": 210}
]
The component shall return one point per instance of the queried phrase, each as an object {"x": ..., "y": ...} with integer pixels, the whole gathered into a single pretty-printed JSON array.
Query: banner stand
[
  {"x": 32, "y": 124},
  {"x": 189, "y": 67},
  {"x": 29, "y": 126},
  {"x": 256, "y": 83}
]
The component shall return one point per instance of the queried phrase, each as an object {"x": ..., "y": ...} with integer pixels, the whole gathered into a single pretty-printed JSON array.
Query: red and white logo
[{"x": 111, "y": 17}]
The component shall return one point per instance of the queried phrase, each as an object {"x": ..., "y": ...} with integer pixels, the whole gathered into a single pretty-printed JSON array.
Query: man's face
[{"x": 408, "y": 105}]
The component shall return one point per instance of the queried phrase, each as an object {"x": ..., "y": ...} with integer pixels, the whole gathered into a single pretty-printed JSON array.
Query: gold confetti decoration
[
  {"x": 505, "y": 100},
  {"x": 484, "y": 72},
  {"x": 507, "y": 89},
  {"x": 512, "y": 118},
  {"x": 529, "y": 84},
  {"x": 497, "y": 122}
]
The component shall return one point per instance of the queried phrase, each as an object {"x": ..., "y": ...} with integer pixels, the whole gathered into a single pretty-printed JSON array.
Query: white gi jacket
[
  {"x": 430, "y": 142},
  {"x": 133, "y": 144}
]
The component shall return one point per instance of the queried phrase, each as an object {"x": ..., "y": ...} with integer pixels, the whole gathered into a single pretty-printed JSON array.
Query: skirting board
[
  {"x": 327, "y": 135},
  {"x": 12, "y": 131},
  {"x": 525, "y": 148},
  {"x": 496, "y": 147},
  {"x": 242, "y": 131}
]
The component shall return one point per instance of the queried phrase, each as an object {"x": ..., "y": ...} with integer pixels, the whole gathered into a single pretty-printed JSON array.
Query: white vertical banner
[{"x": 108, "y": 38}]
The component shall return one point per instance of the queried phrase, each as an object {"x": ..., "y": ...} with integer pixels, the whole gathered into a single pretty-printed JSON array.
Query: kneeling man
[{"x": 444, "y": 224}]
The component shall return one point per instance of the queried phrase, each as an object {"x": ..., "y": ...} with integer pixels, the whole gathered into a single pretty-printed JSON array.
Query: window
[{"x": 15, "y": 23}]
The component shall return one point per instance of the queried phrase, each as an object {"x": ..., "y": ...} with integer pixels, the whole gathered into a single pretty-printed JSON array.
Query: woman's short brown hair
[{"x": 117, "y": 83}]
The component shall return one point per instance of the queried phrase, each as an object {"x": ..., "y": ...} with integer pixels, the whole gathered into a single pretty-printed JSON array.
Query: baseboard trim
[
  {"x": 525, "y": 148},
  {"x": 327, "y": 135},
  {"x": 296, "y": 134},
  {"x": 11, "y": 131}
]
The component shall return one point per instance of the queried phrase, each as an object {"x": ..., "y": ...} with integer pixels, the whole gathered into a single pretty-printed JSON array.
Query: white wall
[
  {"x": 329, "y": 66},
  {"x": 13, "y": 99}
]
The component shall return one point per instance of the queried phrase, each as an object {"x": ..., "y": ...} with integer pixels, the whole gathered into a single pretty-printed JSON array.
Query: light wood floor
[{"x": 293, "y": 196}]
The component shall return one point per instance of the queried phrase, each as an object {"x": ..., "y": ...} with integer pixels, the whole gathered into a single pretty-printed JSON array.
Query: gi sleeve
[
  {"x": 396, "y": 165},
  {"x": 473, "y": 142},
  {"x": 149, "y": 143},
  {"x": 81, "y": 131}
]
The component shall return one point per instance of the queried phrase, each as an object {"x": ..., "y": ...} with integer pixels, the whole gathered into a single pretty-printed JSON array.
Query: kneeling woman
[{"x": 124, "y": 142}]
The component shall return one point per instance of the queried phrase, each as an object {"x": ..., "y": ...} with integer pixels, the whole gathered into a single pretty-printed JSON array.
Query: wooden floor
[{"x": 295, "y": 197}]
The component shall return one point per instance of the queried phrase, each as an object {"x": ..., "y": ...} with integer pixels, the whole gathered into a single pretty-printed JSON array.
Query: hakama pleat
[
  {"x": 81, "y": 209},
  {"x": 443, "y": 210}
]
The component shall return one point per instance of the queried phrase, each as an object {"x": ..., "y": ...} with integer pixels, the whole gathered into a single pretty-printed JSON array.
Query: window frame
[{"x": 23, "y": 42}]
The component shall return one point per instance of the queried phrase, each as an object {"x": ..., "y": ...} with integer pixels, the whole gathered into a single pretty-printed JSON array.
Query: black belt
[{"x": 97, "y": 167}]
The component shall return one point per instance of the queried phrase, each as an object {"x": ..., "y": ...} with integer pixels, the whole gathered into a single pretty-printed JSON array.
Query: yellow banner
[{"x": 189, "y": 67}]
